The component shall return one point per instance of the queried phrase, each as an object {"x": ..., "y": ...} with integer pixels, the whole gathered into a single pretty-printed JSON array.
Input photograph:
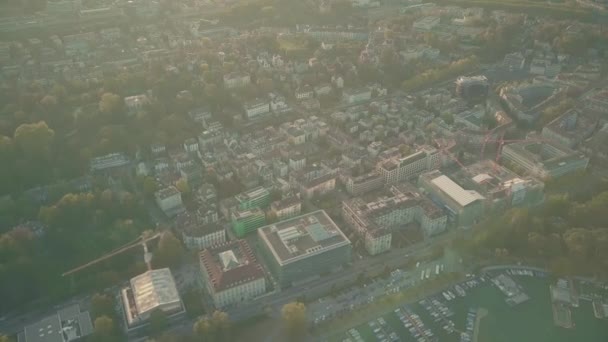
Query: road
[{"x": 371, "y": 266}]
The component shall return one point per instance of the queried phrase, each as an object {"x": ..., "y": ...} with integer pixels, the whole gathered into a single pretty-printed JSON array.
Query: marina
[{"x": 483, "y": 314}]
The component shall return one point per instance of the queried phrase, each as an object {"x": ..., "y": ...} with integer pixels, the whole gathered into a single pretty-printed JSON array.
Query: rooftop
[
  {"x": 573, "y": 124},
  {"x": 302, "y": 236},
  {"x": 230, "y": 264},
  {"x": 109, "y": 161},
  {"x": 285, "y": 203},
  {"x": 456, "y": 192},
  {"x": 192, "y": 224},
  {"x": 64, "y": 326},
  {"x": 153, "y": 289},
  {"x": 167, "y": 192},
  {"x": 252, "y": 194},
  {"x": 548, "y": 154}
]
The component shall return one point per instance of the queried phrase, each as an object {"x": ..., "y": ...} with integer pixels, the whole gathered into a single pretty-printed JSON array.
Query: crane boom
[{"x": 137, "y": 242}]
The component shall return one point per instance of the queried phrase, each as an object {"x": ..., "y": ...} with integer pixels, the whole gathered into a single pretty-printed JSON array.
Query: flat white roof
[{"x": 456, "y": 192}]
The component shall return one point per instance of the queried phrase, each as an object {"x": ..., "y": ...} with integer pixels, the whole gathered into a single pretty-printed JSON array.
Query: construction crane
[
  {"x": 142, "y": 240},
  {"x": 443, "y": 149}
]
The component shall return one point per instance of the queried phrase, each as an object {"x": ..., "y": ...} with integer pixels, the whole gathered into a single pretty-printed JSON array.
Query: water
[{"x": 531, "y": 321}]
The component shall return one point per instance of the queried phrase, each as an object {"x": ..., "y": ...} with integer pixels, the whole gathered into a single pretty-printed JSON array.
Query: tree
[
  {"x": 169, "y": 252},
  {"x": 183, "y": 186},
  {"x": 110, "y": 103},
  {"x": 158, "y": 322},
  {"x": 102, "y": 305},
  {"x": 150, "y": 186},
  {"x": 105, "y": 329},
  {"x": 214, "y": 328},
  {"x": 294, "y": 318},
  {"x": 221, "y": 322},
  {"x": 35, "y": 139},
  {"x": 49, "y": 102},
  {"x": 203, "y": 329}
]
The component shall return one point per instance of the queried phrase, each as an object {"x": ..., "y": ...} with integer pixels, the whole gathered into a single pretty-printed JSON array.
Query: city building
[
  {"x": 473, "y": 128},
  {"x": 375, "y": 220},
  {"x": 256, "y": 107},
  {"x": 501, "y": 187},
  {"x": 357, "y": 95},
  {"x": 514, "y": 61},
  {"x": 110, "y": 162},
  {"x": 255, "y": 198},
  {"x": 472, "y": 87},
  {"x": 304, "y": 247},
  {"x": 464, "y": 207},
  {"x": 571, "y": 128},
  {"x": 286, "y": 208},
  {"x": 150, "y": 291},
  {"x": 526, "y": 101},
  {"x": 597, "y": 100},
  {"x": 136, "y": 103},
  {"x": 398, "y": 169},
  {"x": 359, "y": 185},
  {"x": 329, "y": 34},
  {"x": 247, "y": 221},
  {"x": 231, "y": 273},
  {"x": 67, "y": 325},
  {"x": 318, "y": 186},
  {"x": 304, "y": 92},
  {"x": 236, "y": 80},
  {"x": 169, "y": 200},
  {"x": 543, "y": 159},
  {"x": 198, "y": 234},
  {"x": 297, "y": 161},
  {"x": 426, "y": 23}
]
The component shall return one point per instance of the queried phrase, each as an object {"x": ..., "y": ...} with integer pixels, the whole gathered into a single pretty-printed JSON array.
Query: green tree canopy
[
  {"x": 170, "y": 251},
  {"x": 158, "y": 322}
]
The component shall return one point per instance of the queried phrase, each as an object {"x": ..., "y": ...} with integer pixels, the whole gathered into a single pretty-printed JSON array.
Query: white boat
[
  {"x": 427, "y": 275},
  {"x": 460, "y": 291},
  {"x": 436, "y": 269},
  {"x": 451, "y": 294}
]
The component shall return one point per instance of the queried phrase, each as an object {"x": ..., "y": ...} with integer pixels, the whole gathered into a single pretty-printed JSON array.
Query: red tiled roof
[{"x": 249, "y": 269}]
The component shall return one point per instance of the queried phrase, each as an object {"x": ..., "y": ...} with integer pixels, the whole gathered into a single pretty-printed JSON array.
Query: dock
[
  {"x": 600, "y": 310},
  {"x": 562, "y": 316},
  {"x": 511, "y": 289},
  {"x": 481, "y": 313}
]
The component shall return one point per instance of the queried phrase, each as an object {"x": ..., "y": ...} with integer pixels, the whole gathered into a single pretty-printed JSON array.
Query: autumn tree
[
  {"x": 214, "y": 328},
  {"x": 104, "y": 329},
  {"x": 35, "y": 139},
  {"x": 110, "y": 103},
  {"x": 182, "y": 185},
  {"x": 294, "y": 318}
]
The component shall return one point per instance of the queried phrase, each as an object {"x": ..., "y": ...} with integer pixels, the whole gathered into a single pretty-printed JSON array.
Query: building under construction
[{"x": 472, "y": 88}]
